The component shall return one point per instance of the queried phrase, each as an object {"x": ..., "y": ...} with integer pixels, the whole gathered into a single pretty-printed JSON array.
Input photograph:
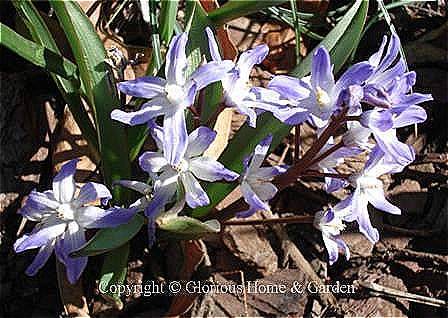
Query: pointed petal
[
  {"x": 92, "y": 217},
  {"x": 265, "y": 191},
  {"x": 377, "y": 119},
  {"x": 175, "y": 137},
  {"x": 176, "y": 60},
  {"x": 212, "y": 45},
  {"x": 377, "y": 199},
  {"x": 409, "y": 116},
  {"x": 260, "y": 152},
  {"x": 365, "y": 227},
  {"x": 138, "y": 186},
  {"x": 321, "y": 70},
  {"x": 39, "y": 205},
  {"x": 151, "y": 231},
  {"x": 164, "y": 190},
  {"x": 64, "y": 182},
  {"x": 355, "y": 75},
  {"x": 194, "y": 194},
  {"x": 246, "y": 214},
  {"x": 290, "y": 88},
  {"x": 376, "y": 57},
  {"x": 41, "y": 236},
  {"x": 413, "y": 99},
  {"x": 391, "y": 54},
  {"x": 243, "y": 109},
  {"x": 74, "y": 238},
  {"x": 141, "y": 116},
  {"x": 249, "y": 58},
  {"x": 144, "y": 87},
  {"x": 210, "y": 72},
  {"x": 252, "y": 199},
  {"x": 41, "y": 258},
  {"x": 332, "y": 249},
  {"x": 208, "y": 169},
  {"x": 152, "y": 162},
  {"x": 403, "y": 154},
  {"x": 199, "y": 140},
  {"x": 92, "y": 191}
]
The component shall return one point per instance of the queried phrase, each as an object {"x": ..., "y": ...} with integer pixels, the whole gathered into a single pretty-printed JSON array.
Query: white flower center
[
  {"x": 182, "y": 166},
  {"x": 322, "y": 98},
  {"x": 65, "y": 212},
  {"x": 174, "y": 93},
  {"x": 237, "y": 93},
  {"x": 365, "y": 183}
]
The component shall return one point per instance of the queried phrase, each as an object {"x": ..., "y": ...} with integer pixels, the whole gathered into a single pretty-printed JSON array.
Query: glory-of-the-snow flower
[
  {"x": 329, "y": 222},
  {"x": 319, "y": 93},
  {"x": 172, "y": 95},
  {"x": 183, "y": 167},
  {"x": 62, "y": 218},
  {"x": 256, "y": 187}
]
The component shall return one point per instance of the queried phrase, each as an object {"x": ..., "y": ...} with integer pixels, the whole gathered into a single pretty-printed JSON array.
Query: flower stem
[{"x": 289, "y": 219}]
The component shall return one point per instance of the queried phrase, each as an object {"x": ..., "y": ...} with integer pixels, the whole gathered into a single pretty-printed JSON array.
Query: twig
[
  {"x": 313, "y": 173},
  {"x": 386, "y": 291},
  {"x": 289, "y": 219},
  {"x": 296, "y": 143}
]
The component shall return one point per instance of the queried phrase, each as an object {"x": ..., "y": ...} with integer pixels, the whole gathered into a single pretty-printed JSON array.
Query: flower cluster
[{"x": 371, "y": 98}]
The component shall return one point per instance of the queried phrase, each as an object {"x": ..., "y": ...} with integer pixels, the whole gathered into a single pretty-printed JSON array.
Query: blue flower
[
  {"x": 170, "y": 96},
  {"x": 255, "y": 186},
  {"x": 369, "y": 189},
  {"x": 62, "y": 219},
  {"x": 182, "y": 168},
  {"x": 329, "y": 222},
  {"x": 238, "y": 93},
  {"x": 319, "y": 93}
]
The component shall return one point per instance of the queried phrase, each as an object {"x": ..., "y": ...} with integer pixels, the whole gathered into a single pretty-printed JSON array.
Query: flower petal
[
  {"x": 359, "y": 205},
  {"x": 148, "y": 111},
  {"x": 290, "y": 87},
  {"x": 74, "y": 238},
  {"x": 332, "y": 249},
  {"x": 92, "y": 191},
  {"x": 92, "y": 217},
  {"x": 199, "y": 140},
  {"x": 144, "y": 87},
  {"x": 376, "y": 57},
  {"x": 64, "y": 182},
  {"x": 377, "y": 119},
  {"x": 265, "y": 191},
  {"x": 249, "y": 58},
  {"x": 212, "y": 45},
  {"x": 210, "y": 72},
  {"x": 409, "y": 116},
  {"x": 174, "y": 137},
  {"x": 41, "y": 258},
  {"x": 321, "y": 70},
  {"x": 208, "y": 169},
  {"x": 252, "y": 199},
  {"x": 403, "y": 154},
  {"x": 260, "y": 152},
  {"x": 194, "y": 194},
  {"x": 164, "y": 190},
  {"x": 152, "y": 162},
  {"x": 138, "y": 186},
  {"x": 176, "y": 60},
  {"x": 355, "y": 75},
  {"x": 377, "y": 199},
  {"x": 39, "y": 205},
  {"x": 391, "y": 54},
  {"x": 40, "y": 236}
]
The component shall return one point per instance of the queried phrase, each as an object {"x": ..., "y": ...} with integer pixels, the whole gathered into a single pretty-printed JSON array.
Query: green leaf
[
  {"x": 341, "y": 40},
  {"x": 69, "y": 89},
  {"x": 186, "y": 228},
  {"x": 38, "y": 54},
  {"x": 237, "y": 8},
  {"x": 110, "y": 238},
  {"x": 113, "y": 273},
  {"x": 98, "y": 81},
  {"x": 167, "y": 19}
]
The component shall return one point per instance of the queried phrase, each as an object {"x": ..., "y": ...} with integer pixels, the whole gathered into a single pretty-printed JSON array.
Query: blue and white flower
[
  {"x": 256, "y": 187},
  {"x": 62, "y": 218}
]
